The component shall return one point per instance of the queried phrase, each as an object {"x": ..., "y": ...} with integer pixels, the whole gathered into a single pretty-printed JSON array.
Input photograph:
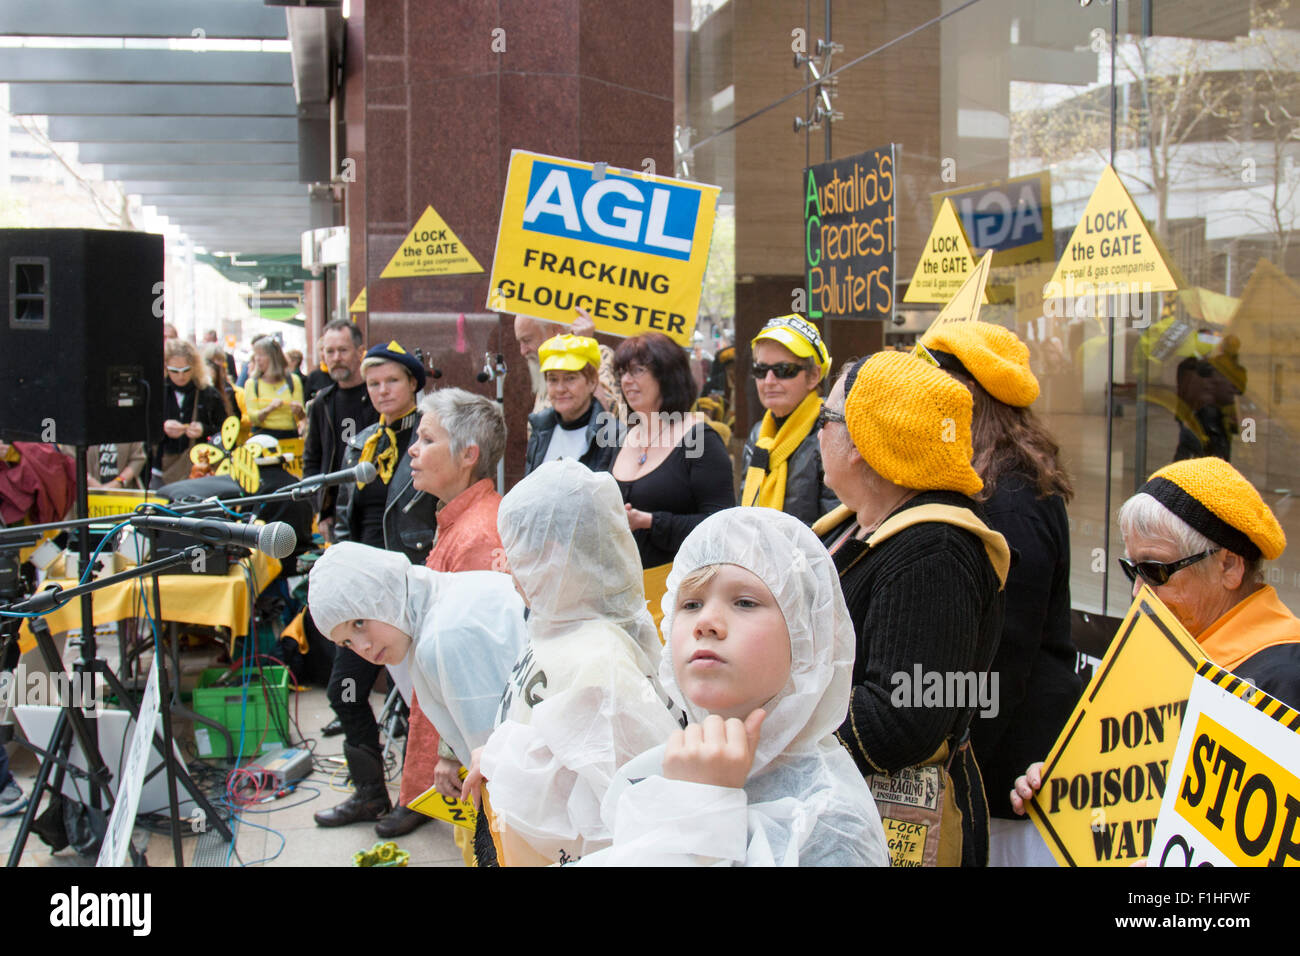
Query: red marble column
[{"x": 432, "y": 112}]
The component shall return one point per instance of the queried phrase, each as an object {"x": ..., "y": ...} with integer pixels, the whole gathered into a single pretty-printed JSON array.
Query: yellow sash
[
  {"x": 765, "y": 479},
  {"x": 385, "y": 459}
]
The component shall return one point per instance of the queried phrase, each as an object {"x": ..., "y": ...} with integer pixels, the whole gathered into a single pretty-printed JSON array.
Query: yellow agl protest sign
[
  {"x": 359, "y": 303},
  {"x": 1111, "y": 251},
  {"x": 430, "y": 249},
  {"x": 628, "y": 247},
  {"x": 946, "y": 262},
  {"x": 1106, "y": 773}
]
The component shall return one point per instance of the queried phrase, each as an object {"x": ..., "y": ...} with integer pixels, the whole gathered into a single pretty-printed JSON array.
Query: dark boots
[
  {"x": 370, "y": 801},
  {"x": 401, "y": 822}
]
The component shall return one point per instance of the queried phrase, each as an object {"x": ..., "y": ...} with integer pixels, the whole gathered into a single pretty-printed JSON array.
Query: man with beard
[{"x": 338, "y": 412}]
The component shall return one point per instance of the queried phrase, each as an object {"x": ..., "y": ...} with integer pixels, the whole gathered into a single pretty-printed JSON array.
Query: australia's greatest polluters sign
[
  {"x": 629, "y": 247},
  {"x": 849, "y": 236}
]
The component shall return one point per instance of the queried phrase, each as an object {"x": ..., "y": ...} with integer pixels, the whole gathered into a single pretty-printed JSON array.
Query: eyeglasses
[
  {"x": 636, "y": 371},
  {"x": 178, "y": 371},
  {"x": 826, "y": 416},
  {"x": 1156, "y": 573},
  {"x": 780, "y": 369}
]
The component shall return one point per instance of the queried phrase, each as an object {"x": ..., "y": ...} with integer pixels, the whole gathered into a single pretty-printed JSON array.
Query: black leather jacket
[
  {"x": 410, "y": 525},
  {"x": 604, "y": 438},
  {"x": 320, "y": 453},
  {"x": 806, "y": 494}
]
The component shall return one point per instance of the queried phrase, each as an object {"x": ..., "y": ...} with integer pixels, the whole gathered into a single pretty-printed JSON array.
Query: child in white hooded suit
[{"x": 759, "y": 654}]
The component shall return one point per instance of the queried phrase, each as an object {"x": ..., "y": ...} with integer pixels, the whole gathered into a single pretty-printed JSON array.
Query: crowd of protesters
[{"x": 630, "y": 657}]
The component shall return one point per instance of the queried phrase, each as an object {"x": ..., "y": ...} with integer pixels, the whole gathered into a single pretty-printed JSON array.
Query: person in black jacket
[
  {"x": 337, "y": 413},
  {"x": 576, "y": 425},
  {"x": 386, "y": 513},
  {"x": 782, "y": 462},
  {"x": 1025, "y": 494},
  {"x": 895, "y": 436},
  {"x": 192, "y": 411}
]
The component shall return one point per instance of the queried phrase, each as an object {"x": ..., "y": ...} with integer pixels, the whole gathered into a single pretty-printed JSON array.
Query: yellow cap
[
  {"x": 1216, "y": 499},
  {"x": 992, "y": 355},
  {"x": 911, "y": 423},
  {"x": 569, "y": 353},
  {"x": 800, "y": 336}
]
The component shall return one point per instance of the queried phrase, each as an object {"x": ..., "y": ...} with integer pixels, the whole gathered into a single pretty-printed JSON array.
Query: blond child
[{"x": 759, "y": 654}]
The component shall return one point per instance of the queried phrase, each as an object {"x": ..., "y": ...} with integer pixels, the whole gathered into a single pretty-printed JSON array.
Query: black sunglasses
[
  {"x": 826, "y": 416},
  {"x": 781, "y": 369},
  {"x": 1156, "y": 573}
]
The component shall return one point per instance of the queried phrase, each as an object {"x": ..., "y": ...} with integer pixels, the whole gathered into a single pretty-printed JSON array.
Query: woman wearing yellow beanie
[
  {"x": 921, "y": 575},
  {"x": 1198, "y": 533},
  {"x": 1024, "y": 497}
]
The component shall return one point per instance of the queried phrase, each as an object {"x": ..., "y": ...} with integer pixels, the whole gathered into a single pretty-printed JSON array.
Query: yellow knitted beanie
[
  {"x": 1217, "y": 500},
  {"x": 992, "y": 355},
  {"x": 911, "y": 423}
]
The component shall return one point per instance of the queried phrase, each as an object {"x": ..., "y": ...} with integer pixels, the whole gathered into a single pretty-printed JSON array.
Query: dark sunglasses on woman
[
  {"x": 781, "y": 369},
  {"x": 1156, "y": 573}
]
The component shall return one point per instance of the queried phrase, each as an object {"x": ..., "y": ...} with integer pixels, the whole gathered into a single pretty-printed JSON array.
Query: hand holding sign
[{"x": 1026, "y": 786}]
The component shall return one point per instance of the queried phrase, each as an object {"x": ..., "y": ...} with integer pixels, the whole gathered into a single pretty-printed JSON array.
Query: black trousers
[{"x": 351, "y": 681}]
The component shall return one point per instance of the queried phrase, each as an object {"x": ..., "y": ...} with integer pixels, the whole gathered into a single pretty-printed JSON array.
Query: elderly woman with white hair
[{"x": 1198, "y": 533}]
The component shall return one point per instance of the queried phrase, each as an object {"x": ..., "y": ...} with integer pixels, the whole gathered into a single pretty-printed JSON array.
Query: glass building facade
[{"x": 1013, "y": 108}]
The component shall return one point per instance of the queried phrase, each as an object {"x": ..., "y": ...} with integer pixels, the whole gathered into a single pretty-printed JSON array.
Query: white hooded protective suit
[
  {"x": 466, "y": 627},
  {"x": 583, "y": 697},
  {"x": 804, "y": 803}
]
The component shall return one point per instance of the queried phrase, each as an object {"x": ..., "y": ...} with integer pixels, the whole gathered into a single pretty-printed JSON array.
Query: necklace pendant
[{"x": 641, "y": 460}]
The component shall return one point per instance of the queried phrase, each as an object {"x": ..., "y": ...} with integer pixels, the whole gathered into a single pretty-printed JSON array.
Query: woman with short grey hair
[{"x": 475, "y": 430}]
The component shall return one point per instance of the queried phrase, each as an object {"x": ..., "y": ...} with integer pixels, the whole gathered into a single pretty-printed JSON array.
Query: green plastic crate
[{"x": 223, "y": 704}]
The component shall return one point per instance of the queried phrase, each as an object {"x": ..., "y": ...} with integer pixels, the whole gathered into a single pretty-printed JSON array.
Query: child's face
[
  {"x": 731, "y": 646},
  {"x": 374, "y": 641}
]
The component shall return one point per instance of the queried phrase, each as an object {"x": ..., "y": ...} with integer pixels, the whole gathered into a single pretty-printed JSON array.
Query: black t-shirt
[
  {"x": 693, "y": 482},
  {"x": 348, "y": 404}
]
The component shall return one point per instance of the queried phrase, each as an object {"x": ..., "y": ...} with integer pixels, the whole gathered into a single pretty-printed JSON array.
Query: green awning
[{"x": 288, "y": 314}]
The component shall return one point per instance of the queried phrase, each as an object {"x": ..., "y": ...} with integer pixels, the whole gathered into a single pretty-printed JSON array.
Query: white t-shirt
[{"x": 567, "y": 443}]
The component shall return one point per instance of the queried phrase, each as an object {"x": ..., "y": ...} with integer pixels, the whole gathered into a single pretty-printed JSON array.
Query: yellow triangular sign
[
  {"x": 430, "y": 249},
  {"x": 1111, "y": 251},
  {"x": 965, "y": 305},
  {"x": 946, "y": 261},
  {"x": 359, "y": 303}
]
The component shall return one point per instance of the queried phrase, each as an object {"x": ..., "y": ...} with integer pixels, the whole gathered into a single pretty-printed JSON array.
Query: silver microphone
[{"x": 277, "y": 539}]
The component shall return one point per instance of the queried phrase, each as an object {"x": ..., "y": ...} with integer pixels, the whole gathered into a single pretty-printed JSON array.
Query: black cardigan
[
  {"x": 1035, "y": 660},
  {"x": 928, "y": 596}
]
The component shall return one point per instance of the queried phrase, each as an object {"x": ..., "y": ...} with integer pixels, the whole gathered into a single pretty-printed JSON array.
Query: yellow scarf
[
  {"x": 385, "y": 458},
  {"x": 765, "y": 479}
]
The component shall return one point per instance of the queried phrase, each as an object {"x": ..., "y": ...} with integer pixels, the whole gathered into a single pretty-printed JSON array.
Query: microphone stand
[
  {"x": 496, "y": 371},
  {"x": 73, "y": 723}
]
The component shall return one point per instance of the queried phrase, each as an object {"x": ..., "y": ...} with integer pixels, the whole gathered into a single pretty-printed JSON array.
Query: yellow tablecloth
[{"x": 208, "y": 599}]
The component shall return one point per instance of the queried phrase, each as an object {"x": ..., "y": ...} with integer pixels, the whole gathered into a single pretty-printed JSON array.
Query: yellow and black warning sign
[
  {"x": 1105, "y": 776},
  {"x": 1233, "y": 797},
  {"x": 359, "y": 303},
  {"x": 430, "y": 249},
  {"x": 1111, "y": 250},
  {"x": 964, "y": 306},
  {"x": 946, "y": 262}
]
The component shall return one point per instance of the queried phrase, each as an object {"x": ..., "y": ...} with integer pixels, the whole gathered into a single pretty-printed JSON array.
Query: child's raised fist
[{"x": 716, "y": 752}]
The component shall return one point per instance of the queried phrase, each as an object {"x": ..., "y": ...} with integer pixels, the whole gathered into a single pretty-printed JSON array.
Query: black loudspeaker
[{"x": 81, "y": 335}]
